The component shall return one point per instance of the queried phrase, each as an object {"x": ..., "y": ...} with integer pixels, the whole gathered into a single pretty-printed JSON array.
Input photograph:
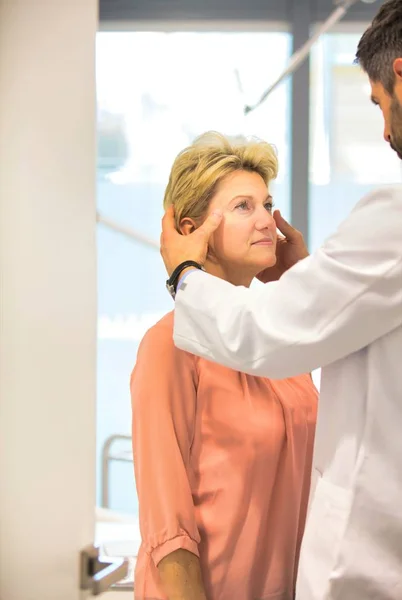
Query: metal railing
[{"x": 108, "y": 456}]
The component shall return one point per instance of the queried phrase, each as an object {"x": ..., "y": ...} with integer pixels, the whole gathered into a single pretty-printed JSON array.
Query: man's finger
[
  {"x": 284, "y": 227},
  {"x": 168, "y": 222},
  {"x": 210, "y": 224}
]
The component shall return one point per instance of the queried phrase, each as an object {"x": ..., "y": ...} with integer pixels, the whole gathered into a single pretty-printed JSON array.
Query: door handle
[{"x": 98, "y": 575}]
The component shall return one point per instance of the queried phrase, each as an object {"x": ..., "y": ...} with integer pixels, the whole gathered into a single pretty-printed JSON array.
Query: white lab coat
[{"x": 340, "y": 309}]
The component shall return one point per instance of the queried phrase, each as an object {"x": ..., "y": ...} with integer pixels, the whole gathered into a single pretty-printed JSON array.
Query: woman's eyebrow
[
  {"x": 249, "y": 197},
  {"x": 242, "y": 196}
]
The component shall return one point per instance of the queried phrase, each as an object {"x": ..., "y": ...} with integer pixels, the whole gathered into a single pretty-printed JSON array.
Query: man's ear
[
  {"x": 397, "y": 66},
  {"x": 187, "y": 226}
]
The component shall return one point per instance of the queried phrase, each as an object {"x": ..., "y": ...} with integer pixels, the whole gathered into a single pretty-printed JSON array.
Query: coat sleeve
[
  {"x": 333, "y": 303},
  {"x": 163, "y": 392}
]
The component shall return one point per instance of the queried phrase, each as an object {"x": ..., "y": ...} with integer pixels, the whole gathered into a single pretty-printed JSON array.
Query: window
[
  {"x": 147, "y": 112},
  {"x": 347, "y": 152}
]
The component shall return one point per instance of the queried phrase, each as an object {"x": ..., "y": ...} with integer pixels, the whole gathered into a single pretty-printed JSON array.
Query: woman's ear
[{"x": 187, "y": 226}]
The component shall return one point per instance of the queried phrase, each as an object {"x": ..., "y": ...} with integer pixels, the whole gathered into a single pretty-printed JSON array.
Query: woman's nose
[{"x": 264, "y": 220}]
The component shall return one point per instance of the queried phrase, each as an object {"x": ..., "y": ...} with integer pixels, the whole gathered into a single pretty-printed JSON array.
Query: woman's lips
[{"x": 264, "y": 242}]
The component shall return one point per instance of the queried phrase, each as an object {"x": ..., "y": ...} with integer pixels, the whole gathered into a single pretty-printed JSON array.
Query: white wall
[{"x": 48, "y": 294}]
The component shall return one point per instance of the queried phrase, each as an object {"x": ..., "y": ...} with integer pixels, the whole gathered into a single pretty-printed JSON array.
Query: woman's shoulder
[
  {"x": 162, "y": 328},
  {"x": 160, "y": 334},
  {"x": 159, "y": 338}
]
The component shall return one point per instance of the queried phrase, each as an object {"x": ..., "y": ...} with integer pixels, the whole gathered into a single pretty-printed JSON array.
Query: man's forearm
[{"x": 180, "y": 574}]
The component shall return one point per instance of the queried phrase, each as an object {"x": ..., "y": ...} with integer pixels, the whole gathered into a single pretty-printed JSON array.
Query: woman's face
[{"x": 245, "y": 242}]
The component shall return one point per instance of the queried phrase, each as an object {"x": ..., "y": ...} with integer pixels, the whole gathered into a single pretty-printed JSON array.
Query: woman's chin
[
  {"x": 265, "y": 255},
  {"x": 265, "y": 264}
]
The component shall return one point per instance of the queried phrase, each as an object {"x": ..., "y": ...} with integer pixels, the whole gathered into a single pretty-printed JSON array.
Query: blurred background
[{"x": 166, "y": 72}]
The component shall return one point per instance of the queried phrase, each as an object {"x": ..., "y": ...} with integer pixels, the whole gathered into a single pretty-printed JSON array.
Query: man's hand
[
  {"x": 176, "y": 248},
  {"x": 290, "y": 248}
]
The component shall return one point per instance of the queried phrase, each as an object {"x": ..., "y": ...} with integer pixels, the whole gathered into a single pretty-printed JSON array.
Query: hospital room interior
[{"x": 96, "y": 101}]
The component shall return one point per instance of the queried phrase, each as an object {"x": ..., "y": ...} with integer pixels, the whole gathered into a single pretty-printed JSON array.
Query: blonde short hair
[{"x": 199, "y": 168}]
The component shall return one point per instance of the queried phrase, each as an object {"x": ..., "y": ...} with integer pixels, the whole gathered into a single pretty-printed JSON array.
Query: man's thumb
[{"x": 211, "y": 223}]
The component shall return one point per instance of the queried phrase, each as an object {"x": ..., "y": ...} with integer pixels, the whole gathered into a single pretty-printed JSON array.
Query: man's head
[{"x": 379, "y": 53}]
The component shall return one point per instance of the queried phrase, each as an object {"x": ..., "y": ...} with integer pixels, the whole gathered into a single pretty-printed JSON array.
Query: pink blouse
[{"x": 222, "y": 465}]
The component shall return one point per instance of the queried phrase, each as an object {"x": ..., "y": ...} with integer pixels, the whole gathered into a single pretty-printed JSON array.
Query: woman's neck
[{"x": 234, "y": 276}]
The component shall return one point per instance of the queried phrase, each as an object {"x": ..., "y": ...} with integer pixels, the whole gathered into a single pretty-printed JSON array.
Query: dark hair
[{"x": 381, "y": 44}]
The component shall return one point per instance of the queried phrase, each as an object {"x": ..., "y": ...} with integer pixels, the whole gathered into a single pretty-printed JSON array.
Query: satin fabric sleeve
[
  {"x": 163, "y": 392},
  {"x": 335, "y": 302}
]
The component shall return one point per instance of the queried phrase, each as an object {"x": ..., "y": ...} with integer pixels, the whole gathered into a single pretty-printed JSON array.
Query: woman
[{"x": 222, "y": 459}]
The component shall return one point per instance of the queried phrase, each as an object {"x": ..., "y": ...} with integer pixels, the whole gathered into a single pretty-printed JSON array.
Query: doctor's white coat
[{"x": 340, "y": 309}]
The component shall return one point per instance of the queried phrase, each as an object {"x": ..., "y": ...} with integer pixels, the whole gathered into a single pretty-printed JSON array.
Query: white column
[{"x": 48, "y": 294}]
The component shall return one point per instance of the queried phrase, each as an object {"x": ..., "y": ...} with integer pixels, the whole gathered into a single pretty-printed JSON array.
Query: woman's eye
[
  {"x": 269, "y": 206},
  {"x": 242, "y": 205}
]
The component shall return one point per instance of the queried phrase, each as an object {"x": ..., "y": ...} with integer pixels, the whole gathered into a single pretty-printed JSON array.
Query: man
[{"x": 340, "y": 309}]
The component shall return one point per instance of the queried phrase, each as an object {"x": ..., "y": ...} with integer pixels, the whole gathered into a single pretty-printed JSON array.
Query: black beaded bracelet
[{"x": 171, "y": 283}]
